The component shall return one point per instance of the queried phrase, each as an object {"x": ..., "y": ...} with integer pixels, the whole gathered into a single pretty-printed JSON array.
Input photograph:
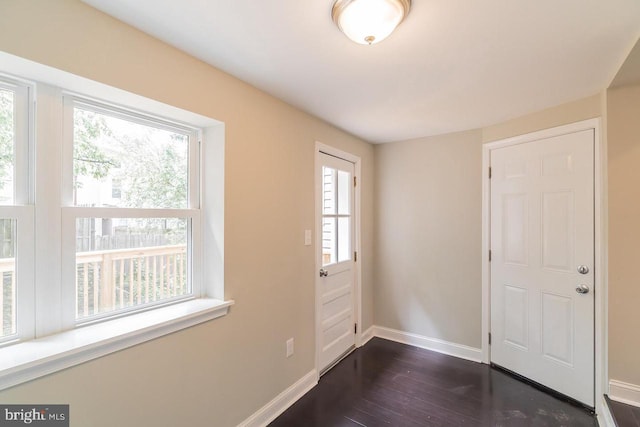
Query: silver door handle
[
  {"x": 323, "y": 272},
  {"x": 583, "y": 269},
  {"x": 582, "y": 289}
]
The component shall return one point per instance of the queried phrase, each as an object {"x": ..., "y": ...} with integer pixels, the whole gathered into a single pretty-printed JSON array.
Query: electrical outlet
[{"x": 290, "y": 347}]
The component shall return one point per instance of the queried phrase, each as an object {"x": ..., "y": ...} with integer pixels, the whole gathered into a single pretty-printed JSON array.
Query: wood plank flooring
[
  {"x": 624, "y": 415},
  {"x": 389, "y": 384}
]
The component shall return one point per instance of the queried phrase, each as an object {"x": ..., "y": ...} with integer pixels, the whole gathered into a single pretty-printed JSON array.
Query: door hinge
[
  {"x": 489, "y": 338},
  {"x": 489, "y": 255},
  {"x": 355, "y": 256},
  {"x": 355, "y": 328},
  {"x": 354, "y": 181},
  {"x": 489, "y": 172}
]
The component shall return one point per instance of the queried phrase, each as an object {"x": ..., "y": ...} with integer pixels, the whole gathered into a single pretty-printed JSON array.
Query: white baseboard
[
  {"x": 282, "y": 402},
  {"x": 434, "y": 344},
  {"x": 605, "y": 418},
  {"x": 367, "y": 335},
  {"x": 624, "y": 392}
]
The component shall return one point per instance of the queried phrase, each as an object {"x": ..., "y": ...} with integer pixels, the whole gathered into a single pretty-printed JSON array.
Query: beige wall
[
  {"x": 427, "y": 228},
  {"x": 428, "y": 225},
  {"x": 571, "y": 112},
  {"x": 428, "y": 209},
  {"x": 623, "y": 111},
  {"x": 220, "y": 372},
  {"x": 428, "y": 236}
]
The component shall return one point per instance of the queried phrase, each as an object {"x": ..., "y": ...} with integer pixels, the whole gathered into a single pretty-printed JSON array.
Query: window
[
  {"x": 16, "y": 226},
  {"x": 104, "y": 221},
  {"x": 116, "y": 189},
  {"x": 132, "y": 251},
  {"x": 336, "y": 216}
]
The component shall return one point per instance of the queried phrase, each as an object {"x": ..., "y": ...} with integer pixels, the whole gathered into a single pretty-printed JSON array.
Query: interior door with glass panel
[{"x": 335, "y": 280}]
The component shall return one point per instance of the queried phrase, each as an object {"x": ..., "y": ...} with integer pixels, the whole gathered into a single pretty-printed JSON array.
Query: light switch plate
[
  {"x": 290, "y": 347},
  {"x": 307, "y": 237}
]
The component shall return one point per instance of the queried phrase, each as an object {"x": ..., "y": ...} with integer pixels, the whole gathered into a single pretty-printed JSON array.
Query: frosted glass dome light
[{"x": 369, "y": 21}]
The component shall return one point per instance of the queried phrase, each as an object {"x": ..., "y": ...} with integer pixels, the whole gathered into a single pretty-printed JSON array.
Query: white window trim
[
  {"x": 22, "y": 209},
  {"x": 23, "y": 136},
  {"x": 24, "y": 307},
  {"x": 58, "y": 343},
  {"x": 70, "y": 212},
  {"x": 35, "y": 358}
]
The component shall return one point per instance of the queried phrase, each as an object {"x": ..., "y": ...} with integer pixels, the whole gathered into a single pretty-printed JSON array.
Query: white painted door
[
  {"x": 335, "y": 279},
  {"x": 542, "y": 231}
]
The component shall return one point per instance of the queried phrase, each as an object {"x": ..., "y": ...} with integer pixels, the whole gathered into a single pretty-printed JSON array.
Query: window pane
[
  {"x": 128, "y": 262},
  {"x": 8, "y": 271},
  {"x": 344, "y": 193},
  {"x": 328, "y": 241},
  {"x": 328, "y": 190},
  {"x": 7, "y": 142},
  {"x": 122, "y": 163},
  {"x": 344, "y": 239}
]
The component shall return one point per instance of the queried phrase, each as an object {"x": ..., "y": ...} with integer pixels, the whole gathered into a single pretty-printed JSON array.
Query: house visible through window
[
  {"x": 116, "y": 188},
  {"x": 139, "y": 168}
]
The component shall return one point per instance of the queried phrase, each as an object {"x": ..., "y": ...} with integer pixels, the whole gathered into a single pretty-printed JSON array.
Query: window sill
[{"x": 29, "y": 360}]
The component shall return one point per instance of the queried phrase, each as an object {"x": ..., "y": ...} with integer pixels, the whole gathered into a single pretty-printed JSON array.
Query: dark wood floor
[
  {"x": 624, "y": 415},
  {"x": 390, "y": 384}
]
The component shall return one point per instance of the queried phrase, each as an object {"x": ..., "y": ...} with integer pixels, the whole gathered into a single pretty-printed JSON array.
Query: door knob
[
  {"x": 582, "y": 289},
  {"x": 323, "y": 272},
  {"x": 583, "y": 269}
]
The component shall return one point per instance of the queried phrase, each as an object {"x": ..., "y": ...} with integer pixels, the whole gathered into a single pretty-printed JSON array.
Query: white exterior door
[
  {"x": 335, "y": 280},
  {"x": 542, "y": 259}
]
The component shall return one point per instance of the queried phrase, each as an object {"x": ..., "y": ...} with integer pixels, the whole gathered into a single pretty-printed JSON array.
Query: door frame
[
  {"x": 600, "y": 247},
  {"x": 357, "y": 270}
]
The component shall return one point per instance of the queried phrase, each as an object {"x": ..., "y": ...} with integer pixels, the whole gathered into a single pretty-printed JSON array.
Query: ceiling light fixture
[{"x": 369, "y": 21}]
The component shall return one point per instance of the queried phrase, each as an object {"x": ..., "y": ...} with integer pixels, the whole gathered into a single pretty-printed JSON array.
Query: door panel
[
  {"x": 558, "y": 231},
  {"x": 542, "y": 228},
  {"x": 515, "y": 230},
  {"x": 516, "y": 316},
  {"x": 557, "y": 328},
  {"x": 336, "y": 284}
]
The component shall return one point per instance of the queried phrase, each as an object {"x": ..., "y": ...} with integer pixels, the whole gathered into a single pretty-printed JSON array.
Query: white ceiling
[{"x": 452, "y": 65}]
